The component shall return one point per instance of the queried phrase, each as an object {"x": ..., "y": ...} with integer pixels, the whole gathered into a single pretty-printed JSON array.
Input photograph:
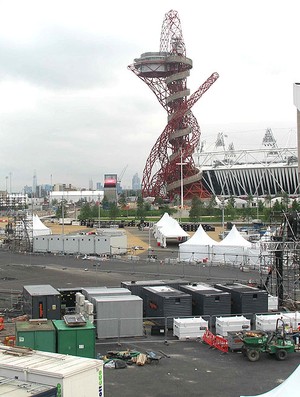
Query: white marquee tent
[
  {"x": 198, "y": 247},
  {"x": 167, "y": 229},
  {"x": 38, "y": 228},
  {"x": 234, "y": 248},
  {"x": 290, "y": 387}
]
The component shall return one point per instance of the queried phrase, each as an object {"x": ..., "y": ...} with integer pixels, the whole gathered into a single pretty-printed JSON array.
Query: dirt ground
[{"x": 132, "y": 240}]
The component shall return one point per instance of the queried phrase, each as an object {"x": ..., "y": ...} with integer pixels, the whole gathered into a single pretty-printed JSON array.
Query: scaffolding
[{"x": 280, "y": 262}]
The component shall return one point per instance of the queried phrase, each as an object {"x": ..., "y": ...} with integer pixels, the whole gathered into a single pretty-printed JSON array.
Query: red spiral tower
[{"x": 166, "y": 72}]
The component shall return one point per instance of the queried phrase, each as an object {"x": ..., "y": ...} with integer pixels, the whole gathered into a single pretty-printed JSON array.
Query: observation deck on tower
[{"x": 166, "y": 73}]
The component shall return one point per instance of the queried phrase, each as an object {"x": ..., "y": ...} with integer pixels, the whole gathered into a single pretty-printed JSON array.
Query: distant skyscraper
[
  {"x": 91, "y": 184},
  {"x": 136, "y": 182}
]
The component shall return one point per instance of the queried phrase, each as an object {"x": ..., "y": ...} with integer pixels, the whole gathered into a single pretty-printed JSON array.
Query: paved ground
[{"x": 192, "y": 367}]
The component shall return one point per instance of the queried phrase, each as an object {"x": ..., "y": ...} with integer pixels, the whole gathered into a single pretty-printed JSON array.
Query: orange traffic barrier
[
  {"x": 208, "y": 337},
  {"x": 221, "y": 343}
]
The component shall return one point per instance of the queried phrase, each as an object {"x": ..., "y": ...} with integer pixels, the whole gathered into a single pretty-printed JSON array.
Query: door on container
[
  {"x": 66, "y": 342},
  {"x": 45, "y": 341},
  {"x": 86, "y": 343},
  {"x": 39, "y": 307}
]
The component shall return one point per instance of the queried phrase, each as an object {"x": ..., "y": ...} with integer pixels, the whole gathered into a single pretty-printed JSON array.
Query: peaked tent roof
[
  {"x": 163, "y": 220},
  {"x": 200, "y": 237},
  {"x": 38, "y": 227},
  {"x": 234, "y": 238},
  {"x": 172, "y": 229},
  {"x": 290, "y": 387}
]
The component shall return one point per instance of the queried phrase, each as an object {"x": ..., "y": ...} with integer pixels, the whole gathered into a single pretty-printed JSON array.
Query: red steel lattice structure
[{"x": 166, "y": 72}]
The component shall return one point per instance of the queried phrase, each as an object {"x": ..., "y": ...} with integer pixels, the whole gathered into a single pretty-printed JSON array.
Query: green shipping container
[
  {"x": 37, "y": 335},
  {"x": 77, "y": 340}
]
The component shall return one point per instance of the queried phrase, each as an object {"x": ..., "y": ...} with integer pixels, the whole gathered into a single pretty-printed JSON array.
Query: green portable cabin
[
  {"x": 36, "y": 334},
  {"x": 75, "y": 340}
]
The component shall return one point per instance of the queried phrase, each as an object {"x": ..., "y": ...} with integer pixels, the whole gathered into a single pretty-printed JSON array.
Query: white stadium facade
[{"x": 270, "y": 170}]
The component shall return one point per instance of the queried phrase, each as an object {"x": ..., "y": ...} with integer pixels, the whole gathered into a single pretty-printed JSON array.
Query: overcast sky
[{"x": 71, "y": 111}]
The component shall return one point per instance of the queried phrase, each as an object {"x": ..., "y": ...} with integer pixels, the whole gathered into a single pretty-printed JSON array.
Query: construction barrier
[
  {"x": 221, "y": 344},
  {"x": 215, "y": 341},
  {"x": 208, "y": 337}
]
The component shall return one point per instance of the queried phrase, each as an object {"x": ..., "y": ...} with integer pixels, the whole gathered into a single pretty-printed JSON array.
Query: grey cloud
[{"x": 63, "y": 59}]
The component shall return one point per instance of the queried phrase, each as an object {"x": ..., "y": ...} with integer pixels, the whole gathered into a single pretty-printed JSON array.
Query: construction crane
[{"x": 122, "y": 174}]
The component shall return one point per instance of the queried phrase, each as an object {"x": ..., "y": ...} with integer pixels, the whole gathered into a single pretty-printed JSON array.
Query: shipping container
[
  {"x": 36, "y": 334},
  {"x": 207, "y": 300},
  {"x": 163, "y": 302},
  {"x": 75, "y": 340},
  {"x": 92, "y": 292},
  {"x": 245, "y": 299},
  {"x": 41, "y": 301},
  {"x": 68, "y": 299},
  {"x": 189, "y": 328},
  {"x": 18, "y": 388},
  {"x": 118, "y": 316},
  {"x": 232, "y": 324},
  {"x": 73, "y": 376}
]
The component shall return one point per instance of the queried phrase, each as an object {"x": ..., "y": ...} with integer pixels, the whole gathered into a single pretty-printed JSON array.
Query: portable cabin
[
  {"x": 245, "y": 299},
  {"x": 207, "y": 300},
  {"x": 41, "y": 301},
  {"x": 163, "y": 302}
]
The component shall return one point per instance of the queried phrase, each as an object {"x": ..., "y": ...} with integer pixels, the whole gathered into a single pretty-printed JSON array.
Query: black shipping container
[
  {"x": 207, "y": 300},
  {"x": 164, "y": 301},
  {"x": 41, "y": 301},
  {"x": 68, "y": 299},
  {"x": 136, "y": 287},
  {"x": 245, "y": 299}
]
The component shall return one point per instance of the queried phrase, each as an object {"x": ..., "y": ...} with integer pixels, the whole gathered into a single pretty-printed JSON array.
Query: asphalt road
[{"x": 192, "y": 369}]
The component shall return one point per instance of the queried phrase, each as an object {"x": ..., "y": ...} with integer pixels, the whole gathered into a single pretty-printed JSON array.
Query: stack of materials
[
  {"x": 189, "y": 328},
  {"x": 232, "y": 324}
]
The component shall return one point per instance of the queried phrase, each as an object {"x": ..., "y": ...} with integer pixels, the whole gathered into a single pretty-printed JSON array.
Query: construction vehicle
[{"x": 277, "y": 343}]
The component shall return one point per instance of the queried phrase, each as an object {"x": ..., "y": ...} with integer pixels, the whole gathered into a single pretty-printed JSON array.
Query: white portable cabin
[{"x": 73, "y": 376}]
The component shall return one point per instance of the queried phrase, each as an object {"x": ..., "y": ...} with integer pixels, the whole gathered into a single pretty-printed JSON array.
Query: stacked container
[{"x": 73, "y": 376}]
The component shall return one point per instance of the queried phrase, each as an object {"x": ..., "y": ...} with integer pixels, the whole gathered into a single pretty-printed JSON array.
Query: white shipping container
[
  {"x": 292, "y": 319},
  {"x": 272, "y": 303},
  {"x": 266, "y": 322},
  {"x": 74, "y": 376},
  {"x": 232, "y": 324},
  {"x": 189, "y": 328}
]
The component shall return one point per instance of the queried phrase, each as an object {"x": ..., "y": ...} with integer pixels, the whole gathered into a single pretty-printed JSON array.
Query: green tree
[
  {"x": 122, "y": 200},
  {"x": 85, "y": 212},
  {"x": 61, "y": 211},
  {"x": 196, "y": 209},
  {"x": 113, "y": 211},
  {"x": 105, "y": 203},
  {"x": 140, "y": 207}
]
